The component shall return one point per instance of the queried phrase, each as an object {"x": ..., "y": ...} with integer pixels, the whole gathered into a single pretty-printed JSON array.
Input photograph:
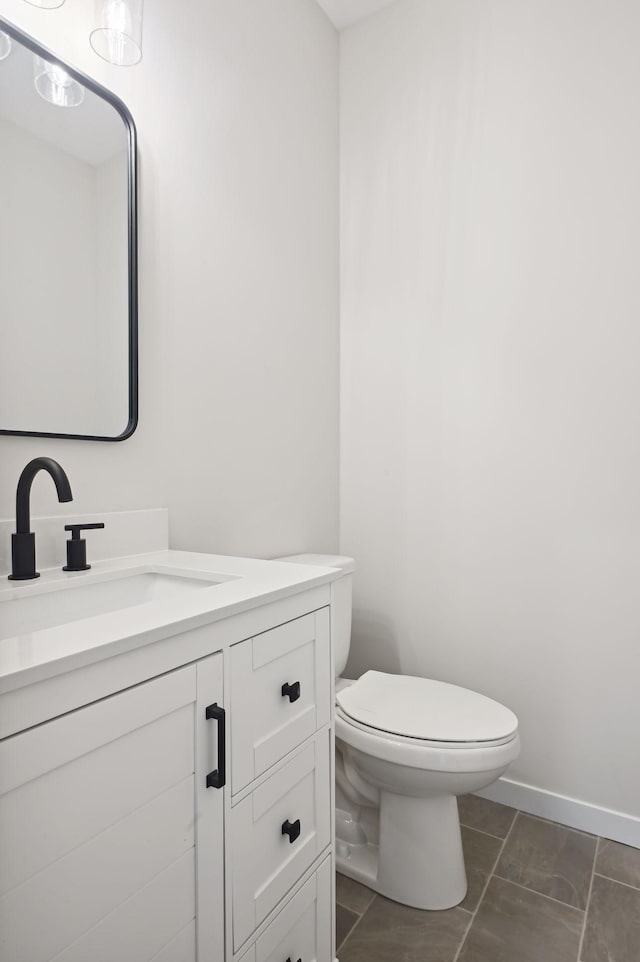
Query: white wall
[
  {"x": 236, "y": 107},
  {"x": 490, "y": 387}
]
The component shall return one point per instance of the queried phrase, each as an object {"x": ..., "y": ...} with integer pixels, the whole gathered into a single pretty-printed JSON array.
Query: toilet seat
[
  {"x": 424, "y": 710},
  {"x": 346, "y": 722},
  {"x": 453, "y": 757}
]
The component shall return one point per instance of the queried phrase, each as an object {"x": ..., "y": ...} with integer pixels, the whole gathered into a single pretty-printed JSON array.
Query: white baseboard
[{"x": 569, "y": 811}]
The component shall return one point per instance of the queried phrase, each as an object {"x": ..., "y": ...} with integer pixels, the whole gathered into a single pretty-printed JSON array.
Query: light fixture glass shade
[
  {"x": 56, "y": 85},
  {"x": 46, "y": 4},
  {"x": 117, "y": 36},
  {"x": 5, "y": 45}
]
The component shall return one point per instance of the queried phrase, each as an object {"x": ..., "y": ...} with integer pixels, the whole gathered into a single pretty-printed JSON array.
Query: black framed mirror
[{"x": 68, "y": 250}]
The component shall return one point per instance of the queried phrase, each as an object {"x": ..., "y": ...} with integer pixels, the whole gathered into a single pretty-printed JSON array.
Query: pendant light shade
[
  {"x": 54, "y": 84},
  {"x": 5, "y": 45},
  {"x": 117, "y": 36},
  {"x": 46, "y": 4}
]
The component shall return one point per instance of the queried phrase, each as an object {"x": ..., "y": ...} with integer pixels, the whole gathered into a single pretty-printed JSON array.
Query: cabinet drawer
[
  {"x": 280, "y": 693},
  {"x": 303, "y": 928},
  {"x": 276, "y": 834}
]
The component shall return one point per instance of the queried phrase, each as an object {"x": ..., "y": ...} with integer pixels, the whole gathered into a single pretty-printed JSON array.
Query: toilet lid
[{"x": 426, "y": 709}]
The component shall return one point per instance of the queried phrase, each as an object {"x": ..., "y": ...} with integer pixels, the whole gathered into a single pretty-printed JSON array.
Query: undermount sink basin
[{"x": 62, "y": 602}]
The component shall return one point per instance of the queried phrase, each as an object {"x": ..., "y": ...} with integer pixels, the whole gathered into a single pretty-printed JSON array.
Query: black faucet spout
[
  {"x": 23, "y": 542},
  {"x": 23, "y": 494}
]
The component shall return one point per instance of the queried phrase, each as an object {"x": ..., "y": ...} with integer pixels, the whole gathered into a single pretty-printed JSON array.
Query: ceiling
[{"x": 345, "y": 12}]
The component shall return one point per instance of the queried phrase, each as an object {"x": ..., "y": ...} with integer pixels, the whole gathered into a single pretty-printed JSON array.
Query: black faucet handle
[
  {"x": 75, "y": 529},
  {"x": 77, "y": 546}
]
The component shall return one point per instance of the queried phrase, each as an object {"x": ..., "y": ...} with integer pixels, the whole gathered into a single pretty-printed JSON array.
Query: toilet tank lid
[{"x": 324, "y": 560}]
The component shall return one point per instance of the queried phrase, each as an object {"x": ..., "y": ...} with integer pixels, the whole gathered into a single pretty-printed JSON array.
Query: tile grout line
[
  {"x": 550, "y": 821},
  {"x": 480, "y": 831},
  {"x": 586, "y": 911},
  {"x": 627, "y": 885},
  {"x": 355, "y": 911},
  {"x": 486, "y": 886},
  {"x": 355, "y": 924},
  {"x": 543, "y": 895}
]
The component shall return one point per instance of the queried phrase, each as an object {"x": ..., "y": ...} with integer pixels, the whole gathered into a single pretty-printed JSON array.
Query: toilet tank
[{"x": 341, "y": 601}]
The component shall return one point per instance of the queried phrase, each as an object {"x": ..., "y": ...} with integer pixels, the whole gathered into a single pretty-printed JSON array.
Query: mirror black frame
[{"x": 132, "y": 207}]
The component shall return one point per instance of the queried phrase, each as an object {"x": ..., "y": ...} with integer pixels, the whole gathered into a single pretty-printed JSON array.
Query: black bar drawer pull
[
  {"x": 289, "y": 959},
  {"x": 292, "y": 692},
  {"x": 218, "y": 777},
  {"x": 292, "y": 829}
]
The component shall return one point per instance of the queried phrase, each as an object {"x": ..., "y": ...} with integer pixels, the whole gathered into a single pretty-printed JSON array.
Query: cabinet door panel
[
  {"x": 47, "y": 913},
  {"x": 48, "y": 746},
  {"x": 143, "y": 924},
  {"x": 99, "y": 813},
  {"x": 182, "y": 948},
  {"x": 268, "y": 724},
  {"x": 81, "y": 801},
  {"x": 265, "y": 863}
]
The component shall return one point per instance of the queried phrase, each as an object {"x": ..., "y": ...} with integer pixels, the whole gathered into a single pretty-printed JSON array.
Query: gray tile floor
[{"x": 538, "y": 892}]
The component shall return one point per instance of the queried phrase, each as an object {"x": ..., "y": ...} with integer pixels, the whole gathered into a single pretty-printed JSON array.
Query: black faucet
[{"x": 23, "y": 542}]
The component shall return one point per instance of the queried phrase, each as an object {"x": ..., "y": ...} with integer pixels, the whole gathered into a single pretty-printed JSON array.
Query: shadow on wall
[{"x": 373, "y": 644}]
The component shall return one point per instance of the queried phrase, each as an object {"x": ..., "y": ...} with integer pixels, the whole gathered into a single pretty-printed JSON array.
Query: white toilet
[{"x": 405, "y": 748}]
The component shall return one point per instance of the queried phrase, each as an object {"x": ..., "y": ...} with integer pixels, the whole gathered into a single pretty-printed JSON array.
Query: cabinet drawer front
[
  {"x": 303, "y": 929},
  {"x": 267, "y": 721},
  {"x": 265, "y": 861}
]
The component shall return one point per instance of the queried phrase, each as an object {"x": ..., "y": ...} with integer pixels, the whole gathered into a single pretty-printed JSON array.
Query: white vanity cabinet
[{"x": 186, "y": 818}]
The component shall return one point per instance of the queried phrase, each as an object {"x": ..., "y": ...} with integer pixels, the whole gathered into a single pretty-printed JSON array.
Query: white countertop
[{"x": 36, "y": 655}]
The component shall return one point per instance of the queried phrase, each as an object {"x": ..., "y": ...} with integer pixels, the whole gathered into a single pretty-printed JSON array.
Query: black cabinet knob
[
  {"x": 292, "y": 692},
  {"x": 289, "y": 959},
  {"x": 292, "y": 829}
]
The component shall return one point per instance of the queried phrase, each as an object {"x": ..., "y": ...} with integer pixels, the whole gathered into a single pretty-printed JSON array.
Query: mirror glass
[{"x": 68, "y": 325}]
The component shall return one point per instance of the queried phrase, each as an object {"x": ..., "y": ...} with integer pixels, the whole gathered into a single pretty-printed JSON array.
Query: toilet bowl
[
  {"x": 410, "y": 846},
  {"x": 406, "y": 747}
]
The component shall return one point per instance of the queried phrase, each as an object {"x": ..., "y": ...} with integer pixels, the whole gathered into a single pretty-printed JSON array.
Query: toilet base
[{"x": 418, "y": 861}]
